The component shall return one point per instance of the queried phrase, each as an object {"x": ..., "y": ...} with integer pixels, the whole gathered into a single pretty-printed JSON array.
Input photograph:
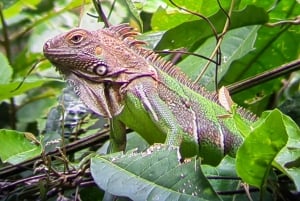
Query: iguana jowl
[{"x": 117, "y": 78}]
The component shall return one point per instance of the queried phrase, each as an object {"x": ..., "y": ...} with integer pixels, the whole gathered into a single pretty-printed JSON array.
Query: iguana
[{"x": 117, "y": 77}]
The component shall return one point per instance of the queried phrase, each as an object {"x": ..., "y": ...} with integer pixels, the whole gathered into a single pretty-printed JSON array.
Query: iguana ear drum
[
  {"x": 100, "y": 68},
  {"x": 98, "y": 50}
]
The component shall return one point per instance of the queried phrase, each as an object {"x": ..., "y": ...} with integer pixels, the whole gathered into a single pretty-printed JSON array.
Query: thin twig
[
  {"x": 219, "y": 41},
  {"x": 199, "y": 15},
  {"x": 6, "y": 41},
  {"x": 296, "y": 21},
  {"x": 28, "y": 73},
  {"x": 100, "y": 11},
  {"x": 264, "y": 77},
  {"x": 111, "y": 9},
  {"x": 234, "y": 192},
  {"x": 184, "y": 52}
]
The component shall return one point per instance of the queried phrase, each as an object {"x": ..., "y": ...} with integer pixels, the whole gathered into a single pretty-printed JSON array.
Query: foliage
[
  {"x": 260, "y": 36},
  {"x": 152, "y": 175}
]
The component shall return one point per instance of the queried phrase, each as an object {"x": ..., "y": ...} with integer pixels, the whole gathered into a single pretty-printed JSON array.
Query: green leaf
[
  {"x": 7, "y": 3},
  {"x": 135, "y": 141},
  {"x": 10, "y": 90},
  {"x": 16, "y": 147},
  {"x": 256, "y": 154},
  {"x": 274, "y": 47},
  {"x": 263, "y": 4},
  {"x": 76, "y": 3},
  {"x": 236, "y": 44},
  {"x": 188, "y": 33},
  {"x": 5, "y": 70},
  {"x": 288, "y": 9},
  {"x": 280, "y": 44},
  {"x": 18, "y": 6},
  {"x": 224, "y": 180},
  {"x": 162, "y": 20},
  {"x": 36, "y": 109},
  {"x": 288, "y": 158},
  {"x": 168, "y": 16},
  {"x": 151, "y": 6},
  {"x": 135, "y": 10},
  {"x": 152, "y": 175},
  {"x": 226, "y": 168}
]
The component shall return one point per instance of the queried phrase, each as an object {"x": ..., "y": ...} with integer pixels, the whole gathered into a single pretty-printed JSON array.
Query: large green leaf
[
  {"x": 274, "y": 47},
  {"x": 162, "y": 20},
  {"x": 168, "y": 16},
  {"x": 152, "y": 175},
  {"x": 16, "y": 8},
  {"x": 188, "y": 33},
  {"x": 278, "y": 43},
  {"x": 16, "y": 147},
  {"x": 255, "y": 156},
  {"x": 236, "y": 44}
]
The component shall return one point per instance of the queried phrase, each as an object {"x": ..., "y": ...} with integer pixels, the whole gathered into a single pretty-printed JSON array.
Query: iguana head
[{"x": 99, "y": 64}]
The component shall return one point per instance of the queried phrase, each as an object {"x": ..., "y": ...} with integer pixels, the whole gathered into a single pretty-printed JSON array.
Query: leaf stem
[
  {"x": 218, "y": 45},
  {"x": 6, "y": 44}
]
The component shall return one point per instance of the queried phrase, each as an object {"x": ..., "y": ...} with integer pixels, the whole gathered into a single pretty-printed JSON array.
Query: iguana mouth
[{"x": 54, "y": 53}]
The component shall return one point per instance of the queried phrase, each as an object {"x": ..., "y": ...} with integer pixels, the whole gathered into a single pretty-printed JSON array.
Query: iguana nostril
[{"x": 46, "y": 46}]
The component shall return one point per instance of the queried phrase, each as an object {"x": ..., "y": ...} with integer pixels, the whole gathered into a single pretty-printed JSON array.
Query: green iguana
[{"x": 116, "y": 77}]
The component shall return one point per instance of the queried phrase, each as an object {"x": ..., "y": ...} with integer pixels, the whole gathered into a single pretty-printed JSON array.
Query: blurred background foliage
[{"x": 262, "y": 35}]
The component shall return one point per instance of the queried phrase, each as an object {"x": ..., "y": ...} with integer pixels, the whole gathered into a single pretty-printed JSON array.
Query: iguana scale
[{"x": 116, "y": 77}]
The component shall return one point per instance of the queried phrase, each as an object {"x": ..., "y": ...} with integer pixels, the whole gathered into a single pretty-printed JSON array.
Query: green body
[
  {"x": 132, "y": 86},
  {"x": 198, "y": 127}
]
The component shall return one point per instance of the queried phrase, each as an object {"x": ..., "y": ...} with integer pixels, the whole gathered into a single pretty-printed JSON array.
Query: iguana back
[{"x": 117, "y": 78}]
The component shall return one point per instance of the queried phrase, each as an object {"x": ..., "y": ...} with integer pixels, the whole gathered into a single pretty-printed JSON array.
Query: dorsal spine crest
[{"x": 127, "y": 34}]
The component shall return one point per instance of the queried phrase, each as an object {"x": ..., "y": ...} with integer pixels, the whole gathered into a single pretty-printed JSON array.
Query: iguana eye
[
  {"x": 77, "y": 38},
  {"x": 100, "y": 68}
]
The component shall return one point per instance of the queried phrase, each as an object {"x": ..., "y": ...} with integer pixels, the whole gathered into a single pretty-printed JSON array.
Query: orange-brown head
[{"x": 99, "y": 64}]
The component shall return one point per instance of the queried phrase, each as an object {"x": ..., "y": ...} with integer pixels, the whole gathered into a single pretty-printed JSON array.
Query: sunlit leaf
[
  {"x": 261, "y": 146},
  {"x": 8, "y": 3},
  {"x": 16, "y": 147},
  {"x": 151, "y": 6},
  {"x": 188, "y": 33},
  {"x": 152, "y": 175},
  {"x": 18, "y": 6},
  {"x": 135, "y": 10}
]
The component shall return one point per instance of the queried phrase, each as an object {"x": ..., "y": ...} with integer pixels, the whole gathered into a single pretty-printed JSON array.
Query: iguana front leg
[
  {"x": 117, "y": 135},
  {"x": 159, "y": 112}
]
